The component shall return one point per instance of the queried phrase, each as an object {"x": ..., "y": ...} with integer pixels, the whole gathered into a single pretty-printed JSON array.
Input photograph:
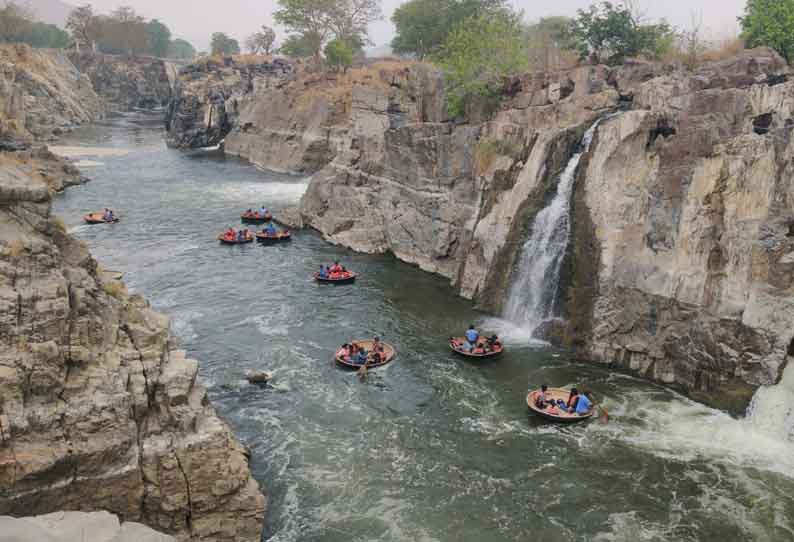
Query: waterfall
[
  {"x": 530, "y": 299},
  {"x": 772, "y": 408}
]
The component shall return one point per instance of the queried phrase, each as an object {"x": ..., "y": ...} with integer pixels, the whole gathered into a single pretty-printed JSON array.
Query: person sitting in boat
[
  {"x": 377, "y": 346},
  {"x": 263, "y": 211},
  {"x": 552, "y": 409},
  {"x": 472, "y": 336},
  {"x": 585, "y": 404},
  {"x": 573, "y": 399},
  {"x": 108, "y": 215},
  {"x": 493, "y": 344},
  {"x": 362, "y": 357},
  {"x": 270, "y": 230},
  {"x": 344, "y": 352},
  {"x": 540, "y": 399},
  {"x": 241, "y": 235},
  {"x": 336, "y": 268},
  {"x": 323, "y": 274},
  {"x": 230, "y": 234}
]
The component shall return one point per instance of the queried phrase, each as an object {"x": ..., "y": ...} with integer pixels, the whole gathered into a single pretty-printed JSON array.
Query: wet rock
[{"x": 259, "y": 377}]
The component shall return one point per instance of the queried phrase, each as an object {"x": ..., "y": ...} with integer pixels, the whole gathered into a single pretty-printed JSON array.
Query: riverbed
[{"x": 432, "y": 447}]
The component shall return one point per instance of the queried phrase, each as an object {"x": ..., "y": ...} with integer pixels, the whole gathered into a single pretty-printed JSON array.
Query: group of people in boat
[
  {"x": 239, "y": 236},
  {"x": 473, "y": 343},
  {"x": 358, "y": 355},
  {"x": 261, "y": 213},
  {"x": 577, "y": 403},
  {"x": 108, "y": 215},
  {"x": 334, "y": 272}
]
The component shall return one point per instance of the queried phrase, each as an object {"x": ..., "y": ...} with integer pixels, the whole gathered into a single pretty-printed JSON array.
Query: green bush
[{"x": 770, "y": 23}]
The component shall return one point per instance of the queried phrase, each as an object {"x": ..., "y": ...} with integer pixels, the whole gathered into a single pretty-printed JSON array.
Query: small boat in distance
[
  {"x": 485, "y": 349},
  {"x": 252, "y": 217},
  {"x": 557, "y": 415},
  {"x": 229, "y": 240},
  {"x": 342, "y": 278},
  {"x": 389, "y": 353},
  {"x": 278, "y": 237},
  {"x": 99, "y": 218}
]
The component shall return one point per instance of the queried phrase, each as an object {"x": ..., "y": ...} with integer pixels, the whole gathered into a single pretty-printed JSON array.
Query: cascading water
[
  {"x": 530, "y": 299},
  {"x": 772, "y": 408}
]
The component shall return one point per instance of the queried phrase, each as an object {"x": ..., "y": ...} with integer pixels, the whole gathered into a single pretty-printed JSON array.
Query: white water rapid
[{"x": 530, "y": 299}]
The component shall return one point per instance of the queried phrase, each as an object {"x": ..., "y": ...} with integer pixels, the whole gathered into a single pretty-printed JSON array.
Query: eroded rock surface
[
  {"x": 42, "y": 95},
  {"x": 74, "y": 527},
  {"x": 98, "y": 410}
]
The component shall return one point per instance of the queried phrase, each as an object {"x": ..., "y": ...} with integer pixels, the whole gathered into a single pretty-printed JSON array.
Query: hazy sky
[{"x": 195, "y": 20}]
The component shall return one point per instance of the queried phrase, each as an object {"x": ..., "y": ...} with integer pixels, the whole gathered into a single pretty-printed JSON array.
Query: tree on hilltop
[
  {"x": 15, "y": 19},
  {"x": 262, "y": 41},
  {"x": 423, "y": 25},
  {"x": 770, "y": 23},
  {"x": 159, "y": 38},
  {"x": 339, "y": 54},
  {"x": 221, "y": 44},
  {"x": 83, "y": 25}
]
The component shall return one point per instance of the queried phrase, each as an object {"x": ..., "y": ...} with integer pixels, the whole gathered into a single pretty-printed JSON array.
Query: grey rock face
[
  {"x": 76, "y": 527},
  {"x": 98, "y": 410},
  {"x": 125, "y": 82}
]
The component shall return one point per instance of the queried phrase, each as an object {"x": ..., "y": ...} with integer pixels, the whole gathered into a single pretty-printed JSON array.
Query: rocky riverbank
[
  {"x": 99, "y": 410},
  {"x": 681, "y": 216}
]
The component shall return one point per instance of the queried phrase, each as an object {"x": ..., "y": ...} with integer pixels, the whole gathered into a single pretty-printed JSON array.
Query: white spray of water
[
  {"x": 530, "y": 300},
  {"x": 772, "y": 408}
]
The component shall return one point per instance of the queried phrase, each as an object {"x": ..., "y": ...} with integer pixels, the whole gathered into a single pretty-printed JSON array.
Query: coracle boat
[
  {"x": 226, "y": 241},
  {"x": 388, "y": 350},
  {"x": 279, "y": 237},
  {"x": 559, "y": 416},
  {"x": 344, "y": 279},
  {"x": 256, "y": 218},
  {"x": 455, "y": 343},
  {"x": 99, "y": 218}
]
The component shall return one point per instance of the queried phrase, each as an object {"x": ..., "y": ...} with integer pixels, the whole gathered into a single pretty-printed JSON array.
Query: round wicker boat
[
  {"x": 456, "y": 342},
  {"x": 256, "y": 218},
  {"x": 388, "y": 350},
  {"x": 351, "y": 277},
  {"x": 279, "y": 237},
  {"x": 225, "y": 241},
  {"x": 559, "y": 417},
  {"x": 99, "y": 218}
]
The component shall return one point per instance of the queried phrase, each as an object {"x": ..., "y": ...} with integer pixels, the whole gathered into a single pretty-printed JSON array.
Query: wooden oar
[{"x": 604, "y": 418}]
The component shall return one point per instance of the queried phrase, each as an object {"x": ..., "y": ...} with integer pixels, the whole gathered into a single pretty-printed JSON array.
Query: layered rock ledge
[
  {"x": 76, "y": 526},
  {"x": 98, "y": 409}
]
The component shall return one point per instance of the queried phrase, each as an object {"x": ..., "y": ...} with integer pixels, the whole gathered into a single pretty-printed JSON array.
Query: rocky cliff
[
  {"x": 682, "y": 213},
  {"x": 42, "y": 95},
  {"x": 98, "y": 410},
  {"x": 125, "y": 82}
]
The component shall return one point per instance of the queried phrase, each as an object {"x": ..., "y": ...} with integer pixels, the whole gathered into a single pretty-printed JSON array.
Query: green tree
[
  {"x": 221, "y": 44},
  {"x": 180, "y": 48},
  {"x": 14, "y": 21},
  {"x": 301, "y": 46},
  {"x": 609, "y": 33},
  {"x": 44, "y": 35},
  {"x": 770, "y": 23},
  {"x": 478, "y": 54},
  {"x": 550, "y": 42},
  {"x": 309, "y": 19},
  {"x": 159, "y": 38},
  {"x": 338, "y": 54},
  {"x": 350, "y": 19},
  {"x": 423, "y": 25}
]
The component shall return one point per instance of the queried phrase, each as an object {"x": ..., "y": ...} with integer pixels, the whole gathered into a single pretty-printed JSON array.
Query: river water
[{"x": 431, "y": 448}]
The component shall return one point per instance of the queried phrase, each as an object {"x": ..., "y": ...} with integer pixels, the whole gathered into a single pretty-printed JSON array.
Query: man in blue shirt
[
  {"x": 472, "y": 336},
  {"x": 584, "y": 404},
  {"x": 271, "y": 229}
]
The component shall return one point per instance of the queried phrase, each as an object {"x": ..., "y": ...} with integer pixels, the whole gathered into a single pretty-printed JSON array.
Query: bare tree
[
  {"x": 694, "y": 46},
  {"x": 83, "y": 25},
  {"x": 350, "y": 20}
]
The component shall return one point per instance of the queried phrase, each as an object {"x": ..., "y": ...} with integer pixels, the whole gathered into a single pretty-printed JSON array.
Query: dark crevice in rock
[
  {"x": 790, "y": 349},
  {"x": 763, "y": 123},
  {"x": 189, "y": 510},
  {"x": 663, "y": 129}
]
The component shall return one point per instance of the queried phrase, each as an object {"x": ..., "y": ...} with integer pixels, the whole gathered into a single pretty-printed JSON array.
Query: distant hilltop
[{"x": 50, "y": 11}]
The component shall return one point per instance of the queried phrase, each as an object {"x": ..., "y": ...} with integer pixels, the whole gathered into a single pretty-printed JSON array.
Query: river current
[{"x": 432, "y": 447}]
